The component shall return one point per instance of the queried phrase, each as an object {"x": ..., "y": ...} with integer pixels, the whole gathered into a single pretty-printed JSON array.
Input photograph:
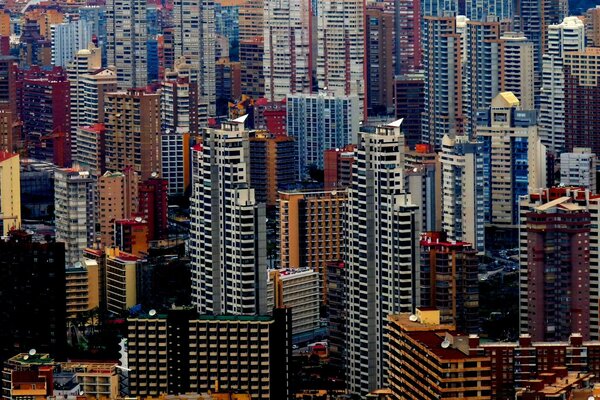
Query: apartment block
[
  {"x": 298, "y": 289},
  {"x": 243, "y": 353},
  {"x": 10, "y": 192}
]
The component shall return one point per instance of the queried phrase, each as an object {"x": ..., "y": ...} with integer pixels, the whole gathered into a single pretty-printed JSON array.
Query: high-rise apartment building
[
  {"x": 241, "y": 353},
  {"x": 67, "y": 39},
  {"x": 575, "y": 261},
  {"x": 132, "y": 123},
  {"x": 251, "y": 17},
  {"x": 381, "y": 254},
  {"x": 532, "y": 17},
  {"x": 320, "y": 122},
  {"x": 300, "y": 290},
  {"x": 579, "y": 169},
  {"x": 272, "y": 165},
  {"x": 311, "y": 228},
  {"x": 442, "y": 61},
  {"x": 10, "y": 127},
  {"x": 518, "y": 61},
  {"x": 582, "y": 93},
  {"x": 341, "y": 49},
  {"x": 448, "y": 280},
  {"x": 407, "y": 21},
  {"x": 10, "y": 192},
  {"x": 175, "y": 158},
  {"x": 252, "y": 75},
  {"x": 153, "y": 206},
  {"x": 288, "y": 58},
  {"x": 592, "y": 27},
  {"x": 337, "y": 165},
  {"x": 485, "y": 10},
  {"x": 556, "y": 292},
  {"x": 423, "y": 180},
  {"x": 228, "y": 226},
  {"x": 409, "y": 98},
  {"x": 178, "y": 104},
  {"x": 87, "y": 87},
  {"x": 117, "y": 199},
  {"x": 482, "y": 78},
  {"x": 569, "y": 35},
  {"x": 121, "y": 287},
  {"x": 46, "y": 115},
  {"x": 75, "y": 211},
  {"x": 422, "y": 347},
  {"x": 126, "y": 41},
  {"x": 83, "y": 288},
  {"x": 379, "y": 59},
  {"x": 514, "y": 159},
  {"x": 32, "y": 277},
  {"x": 90, "y": 148},
  {"x": 194, "y": 39},
  {"x": 463, "y": 213},
  {"x": 96, "y": 14}
]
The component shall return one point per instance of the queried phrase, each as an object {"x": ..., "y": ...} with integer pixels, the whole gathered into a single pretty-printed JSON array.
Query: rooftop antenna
[
  {"x": 445, "y": 344},
  {"x": 413, "y": 318}
]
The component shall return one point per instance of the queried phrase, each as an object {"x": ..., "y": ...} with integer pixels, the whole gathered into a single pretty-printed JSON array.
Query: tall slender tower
[
  {"x": 194, "y": 39},
  {"x": 569, "y": 35},
  {"x": 126, "y": 41},
  {"x": 287, "y": 60},
  {"x": 341, "y": 48},
  {"x": 380, "y": 254},
  {"x": 228, "y": 230},
  {"x": 442, "y": 61}
]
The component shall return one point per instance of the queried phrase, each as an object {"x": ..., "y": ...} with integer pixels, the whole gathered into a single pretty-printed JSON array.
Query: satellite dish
[
  {"x": 32, "y": 352},
  {"x": 413, "y": 318},
  {"x": 78, "y": 264},
  {"x": 154, "y": 174},
  {"x": 138, "y": 219},
  {"x": 152, "y": 312},
  {"x": 26, "y": 357},
  {"x": 591, "y": 398},
  {"x": 445, "y": 344}
]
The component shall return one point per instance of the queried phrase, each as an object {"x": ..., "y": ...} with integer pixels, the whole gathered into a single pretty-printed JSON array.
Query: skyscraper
[
  {"x": 514, "y": 159},
  {"x": 380, "y": 254},
  {"x": 127, "y": 37},
  {"x": 10, "y": 192},
  {"x": 117, "y": 199},
  {"x": 75, "y": 208},
  {"x": 320, "y": 122},
  {"x": 228, "y": 227},
  {"x": 32, "y": 284},
  {"x": 442, "y": 61},
  {"x": 379, "y": 59},
  {"x": 556, "y": 236},
  {"x": 132, "y": 122},
  {"x": 448, "y": 280},
  {"x": 68, "y": 38},
  {"x": 272, "y": 165},
  {"x": 462, "y": 191},
  {"x": 517, "y": 58},
  {"x": 579, "y": 169},
  {"x": 45, "y": 113},
  {"x": 341, "y": 50},
  {"x": 288, "y": 58},
  {"x": 482, "y": 78},
  {"x": 582, "y": 94},
  {"x": 10, "y": 128},
  {"x": 311, "y": 229},
  {"x": 194, "y": 39},
  {"x": 407, "y": 20},
  {"x": 569, "y": 35}
]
